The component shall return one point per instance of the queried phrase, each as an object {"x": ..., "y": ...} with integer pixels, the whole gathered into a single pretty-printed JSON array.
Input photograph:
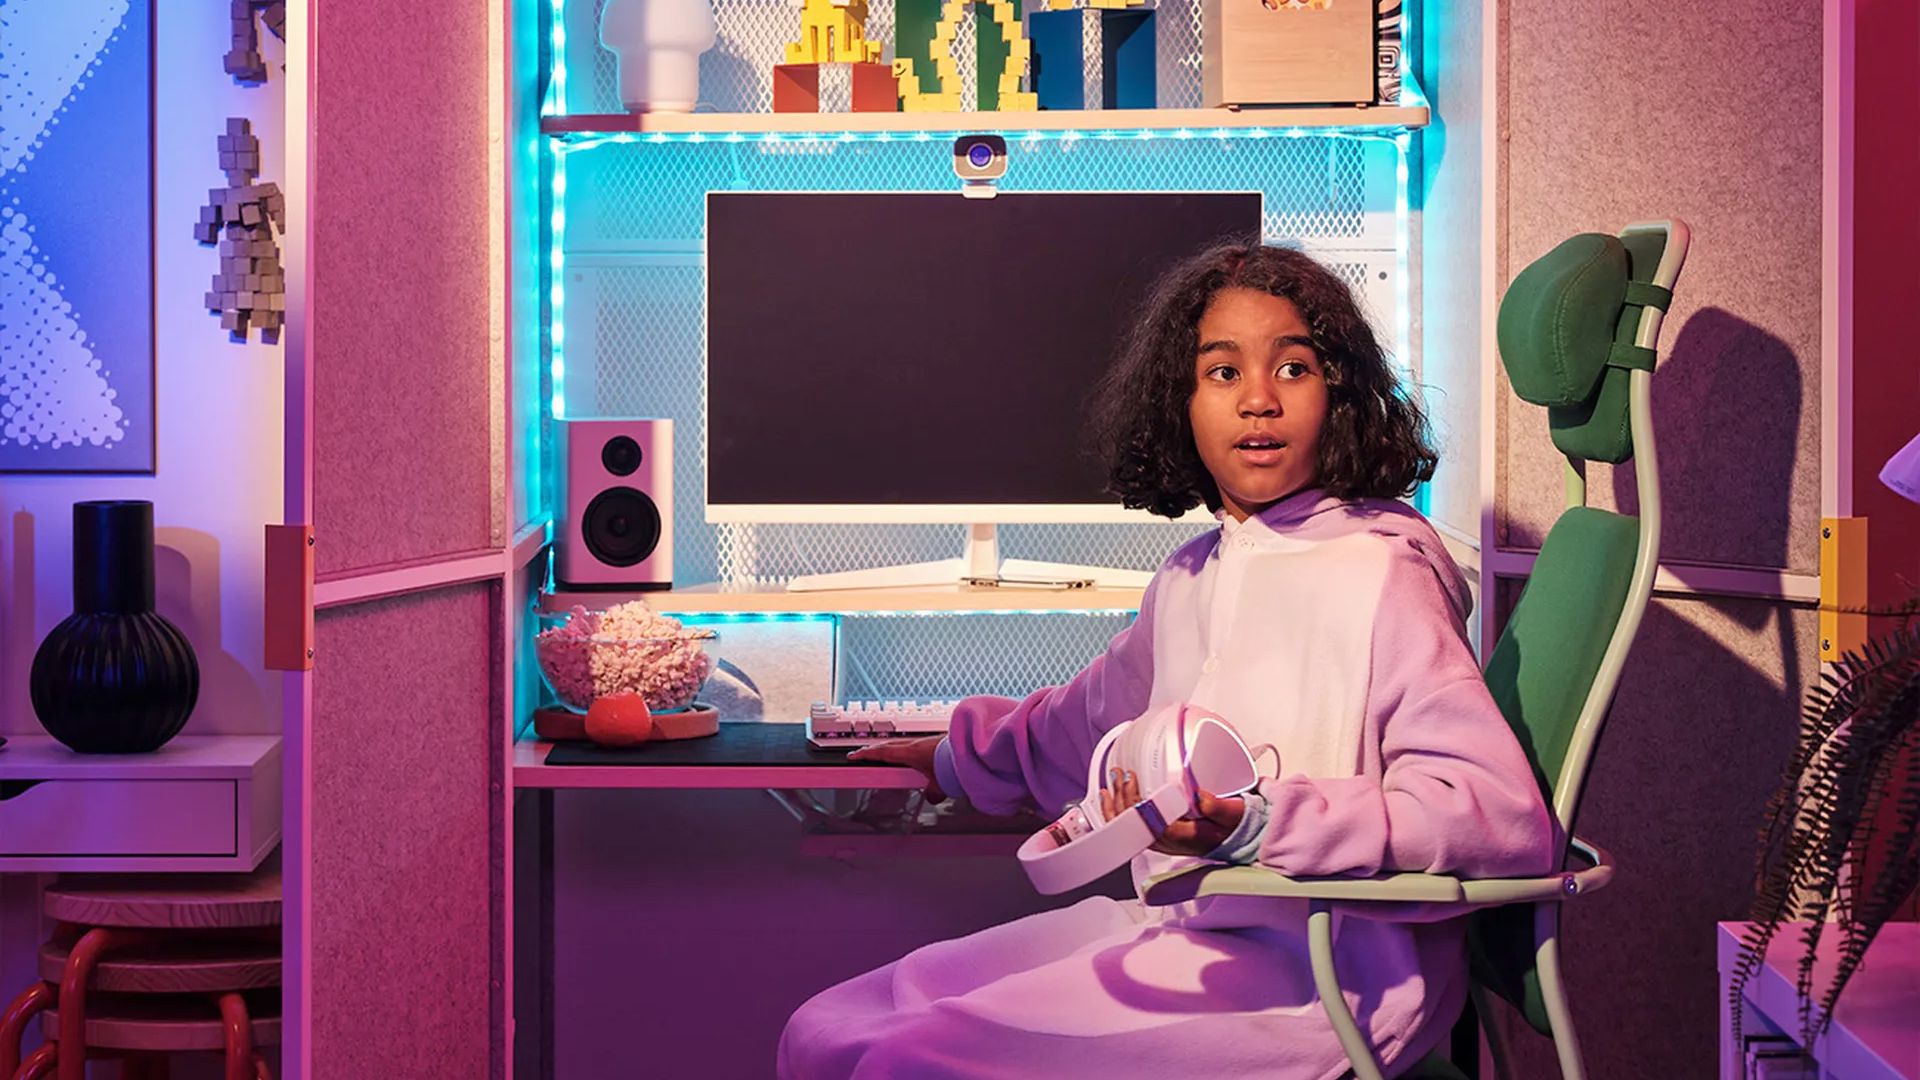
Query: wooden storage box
[{"x": 1297, "y": 53}]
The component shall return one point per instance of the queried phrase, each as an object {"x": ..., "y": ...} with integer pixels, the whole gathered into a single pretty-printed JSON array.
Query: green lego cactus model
[{"x": 930, "y": 77}]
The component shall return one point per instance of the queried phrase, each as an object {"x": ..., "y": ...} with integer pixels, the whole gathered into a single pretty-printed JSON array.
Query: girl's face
[{"x": 1259, "y": 400}]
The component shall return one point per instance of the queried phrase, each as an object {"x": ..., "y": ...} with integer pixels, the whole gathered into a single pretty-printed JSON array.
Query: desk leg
[{"x": 533, "y": 934}]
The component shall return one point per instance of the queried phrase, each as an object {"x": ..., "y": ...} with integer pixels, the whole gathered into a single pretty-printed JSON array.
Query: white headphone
[{"x": 1175, "y": 752}]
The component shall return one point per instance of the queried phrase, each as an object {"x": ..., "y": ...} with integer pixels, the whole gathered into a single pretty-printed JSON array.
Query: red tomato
[{"x": 619, "y": 720}]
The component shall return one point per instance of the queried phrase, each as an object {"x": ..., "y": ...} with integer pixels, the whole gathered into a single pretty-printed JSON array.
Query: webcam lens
[{"x": 979, "y": 155}]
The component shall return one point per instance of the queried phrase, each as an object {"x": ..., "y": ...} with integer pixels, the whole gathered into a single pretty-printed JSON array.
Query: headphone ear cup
[{"x": 1220, "y": 761}]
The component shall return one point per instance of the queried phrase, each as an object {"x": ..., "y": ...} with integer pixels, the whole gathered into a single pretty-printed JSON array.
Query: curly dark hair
[{"x": 1375, "y": 443}]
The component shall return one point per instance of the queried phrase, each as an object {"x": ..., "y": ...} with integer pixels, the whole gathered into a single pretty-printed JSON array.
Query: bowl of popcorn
[{"x": 627, "y": 648}]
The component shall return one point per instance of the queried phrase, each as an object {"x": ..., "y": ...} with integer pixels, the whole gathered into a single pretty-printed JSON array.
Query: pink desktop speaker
[{"x": 615, "y": 529}]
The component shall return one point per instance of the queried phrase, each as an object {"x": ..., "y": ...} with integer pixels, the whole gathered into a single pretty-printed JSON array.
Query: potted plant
[{"x": 1859, "y": 751}]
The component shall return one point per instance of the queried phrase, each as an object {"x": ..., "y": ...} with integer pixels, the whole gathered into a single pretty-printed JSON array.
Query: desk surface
[
  {"x": 1876, "y": 1028},
  {"x": 699, "y": 600},
  {"x": 742, "y": 755}
]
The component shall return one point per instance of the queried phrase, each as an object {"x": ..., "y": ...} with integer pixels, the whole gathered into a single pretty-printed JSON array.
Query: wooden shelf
[
  {"x": 952, "y": 599},
  {"x": 1381, "y": 119}
]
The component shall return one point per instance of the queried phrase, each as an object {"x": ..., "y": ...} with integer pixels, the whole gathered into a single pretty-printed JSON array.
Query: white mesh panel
[
  {"x": 635, "y": 322},
  {"x": 1011, "y": 655}
]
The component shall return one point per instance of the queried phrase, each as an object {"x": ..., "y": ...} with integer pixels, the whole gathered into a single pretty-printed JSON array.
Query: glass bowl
[{"x": 585, "y": 655}]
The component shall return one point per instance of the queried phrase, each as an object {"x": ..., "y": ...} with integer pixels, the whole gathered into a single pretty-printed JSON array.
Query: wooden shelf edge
[{"x": 1383, "y": 119}]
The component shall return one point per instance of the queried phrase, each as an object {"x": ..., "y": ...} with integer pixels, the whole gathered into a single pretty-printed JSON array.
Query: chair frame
[{"x": 1355, "y": 895}]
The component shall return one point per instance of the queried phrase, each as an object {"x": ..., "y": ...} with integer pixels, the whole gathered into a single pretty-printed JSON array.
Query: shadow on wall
[
  {"x": 18, "y": 636},
  {"x": 1705, "y": 717},
  {"x": 1726, "y": 411},
  {"x": 186, "y": 569}
]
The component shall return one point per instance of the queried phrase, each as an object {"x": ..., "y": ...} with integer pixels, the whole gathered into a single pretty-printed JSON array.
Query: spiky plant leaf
[{"x": 1859, "y": 725}]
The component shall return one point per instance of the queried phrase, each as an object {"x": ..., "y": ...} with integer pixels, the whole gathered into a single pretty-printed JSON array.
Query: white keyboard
[{"x": 860, "y": 723}]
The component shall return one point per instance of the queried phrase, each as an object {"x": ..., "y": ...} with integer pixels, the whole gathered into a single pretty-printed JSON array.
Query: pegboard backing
[
  {"x": 634, "y": 321},
  {"x": 1325, "y": 191}
]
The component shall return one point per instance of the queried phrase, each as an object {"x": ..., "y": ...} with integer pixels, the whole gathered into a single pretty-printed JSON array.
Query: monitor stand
[{"x": 980, "y": 565}]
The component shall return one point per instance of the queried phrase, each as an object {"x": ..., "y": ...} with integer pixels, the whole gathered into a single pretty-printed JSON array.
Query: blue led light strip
[{"x": 584, "y": 140}]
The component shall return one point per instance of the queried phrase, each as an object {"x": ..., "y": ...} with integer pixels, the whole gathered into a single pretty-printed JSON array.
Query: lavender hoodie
[{"x": 1334, "y": 631}]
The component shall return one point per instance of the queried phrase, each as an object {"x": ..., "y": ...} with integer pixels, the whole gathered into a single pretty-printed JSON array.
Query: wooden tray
[{"x": 697, "y": 721}]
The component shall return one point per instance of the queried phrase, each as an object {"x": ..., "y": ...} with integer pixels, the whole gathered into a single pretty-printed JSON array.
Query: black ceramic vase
[{"x": 115, "y": 677}]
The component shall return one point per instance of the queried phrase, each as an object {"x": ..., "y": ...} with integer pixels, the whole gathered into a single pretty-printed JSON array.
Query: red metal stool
[{"x": 141, "y": 966}]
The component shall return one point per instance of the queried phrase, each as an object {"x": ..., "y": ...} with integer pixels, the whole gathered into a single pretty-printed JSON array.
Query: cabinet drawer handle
[{"x": 12, "y": 788}]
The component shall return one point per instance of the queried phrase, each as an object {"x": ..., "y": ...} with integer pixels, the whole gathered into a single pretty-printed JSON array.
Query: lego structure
[
  {"x": 834, "y": 67},
  {"x": 1094, "y": 54},
  {"x": 249, "y": 289},
  {"x": 929, "y": 75},
  {"x": 833, "y": 32},
  {"x": 243, "y": 59}
]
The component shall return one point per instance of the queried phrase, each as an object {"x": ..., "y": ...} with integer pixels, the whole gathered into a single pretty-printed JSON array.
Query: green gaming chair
[{"x": 1577, "y": 331}]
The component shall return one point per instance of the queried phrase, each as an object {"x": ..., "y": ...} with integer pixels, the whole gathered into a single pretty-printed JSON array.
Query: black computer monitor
[{"x": 924, "y": 357}]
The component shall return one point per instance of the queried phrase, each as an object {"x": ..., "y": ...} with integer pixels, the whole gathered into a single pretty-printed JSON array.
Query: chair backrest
[{"x": 1577, "y": 331}]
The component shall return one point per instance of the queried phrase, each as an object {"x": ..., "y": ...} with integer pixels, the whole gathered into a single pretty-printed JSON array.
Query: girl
[{"x": 1323, "y": 617}]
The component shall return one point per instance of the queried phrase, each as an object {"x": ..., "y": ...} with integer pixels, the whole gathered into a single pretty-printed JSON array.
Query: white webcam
[{"x": 980, "y": 161}]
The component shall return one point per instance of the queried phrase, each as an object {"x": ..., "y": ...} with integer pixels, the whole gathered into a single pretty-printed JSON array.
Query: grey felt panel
[{"x": 1709, "y": 112}]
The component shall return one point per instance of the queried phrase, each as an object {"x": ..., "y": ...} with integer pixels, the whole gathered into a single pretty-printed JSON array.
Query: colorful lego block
[
  {"x": 915, "y": 22},
  {"x": 924, "y": 33},
  {"x": 833, "y": 32},
  {"x": 238, "y": 221},
  {"x": 859, "y": 87},
  {"x": 1094, "y": 58}
]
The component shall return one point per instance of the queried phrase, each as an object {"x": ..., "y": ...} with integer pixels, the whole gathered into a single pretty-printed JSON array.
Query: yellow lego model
[{"x": 833, "y": 32}]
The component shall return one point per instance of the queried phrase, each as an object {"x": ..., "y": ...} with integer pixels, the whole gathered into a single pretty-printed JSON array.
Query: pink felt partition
[
  {"x": 405, "y": 827},
  {"x": 404, "y": 397}
]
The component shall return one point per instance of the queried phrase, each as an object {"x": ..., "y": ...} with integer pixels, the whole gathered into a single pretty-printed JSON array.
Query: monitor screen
[{"x": 924, "y": 357}]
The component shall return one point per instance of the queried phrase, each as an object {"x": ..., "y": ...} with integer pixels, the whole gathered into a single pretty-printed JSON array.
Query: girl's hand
[
  {"x": 915, "y": 754},
  {"x": 1212, "y": 820}
]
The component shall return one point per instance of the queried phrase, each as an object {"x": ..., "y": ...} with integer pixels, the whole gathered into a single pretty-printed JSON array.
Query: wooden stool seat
[
  {"x": 153, "y": 964},
  {"x": 168, "y": 901},
  {"x": 183, "y": 967},
  {"x": 165, "y": 1024}
]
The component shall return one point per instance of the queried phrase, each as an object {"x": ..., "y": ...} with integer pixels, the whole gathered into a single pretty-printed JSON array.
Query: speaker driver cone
[{"x": 621, "y": 526}]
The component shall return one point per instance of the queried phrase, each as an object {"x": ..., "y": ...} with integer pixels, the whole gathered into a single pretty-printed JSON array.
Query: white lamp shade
[
  {"x": 658, "y": 44},
  {"x": 1902, "y": 471}
]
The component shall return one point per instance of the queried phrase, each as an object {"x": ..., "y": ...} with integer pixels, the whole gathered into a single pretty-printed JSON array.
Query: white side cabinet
[{"x": 199, "y": 803}]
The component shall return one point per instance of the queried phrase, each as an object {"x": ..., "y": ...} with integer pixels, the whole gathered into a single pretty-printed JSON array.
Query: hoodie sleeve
[
  {"x": 1007, "y": 755},
  {"x": 1456, "y": 794}
]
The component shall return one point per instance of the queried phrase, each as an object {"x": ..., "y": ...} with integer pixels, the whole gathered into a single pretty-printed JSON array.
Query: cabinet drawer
[{"x": 81, "y": 818}]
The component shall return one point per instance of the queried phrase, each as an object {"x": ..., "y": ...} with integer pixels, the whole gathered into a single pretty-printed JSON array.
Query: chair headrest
[{"x": 1558, "y": 319}]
